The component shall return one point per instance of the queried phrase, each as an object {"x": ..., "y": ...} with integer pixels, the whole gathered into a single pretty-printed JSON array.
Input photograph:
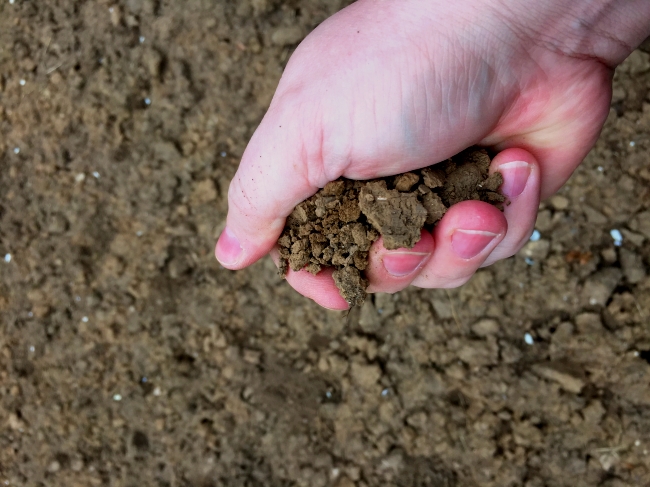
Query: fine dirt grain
[
  {"x": 337, "y": 226},
  {"x": 129, "y": 357}
]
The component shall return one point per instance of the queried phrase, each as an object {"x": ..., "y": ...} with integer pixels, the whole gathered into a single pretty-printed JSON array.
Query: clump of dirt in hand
[{"x": 337, "y": 226}]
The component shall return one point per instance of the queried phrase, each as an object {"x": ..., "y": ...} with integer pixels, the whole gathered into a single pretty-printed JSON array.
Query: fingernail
[
  {"x": 229, "y": 251},
  {"x": 469, "y": 243},
  {"x": 515, "y": 176},
  {"x": 400, "y": 264}
]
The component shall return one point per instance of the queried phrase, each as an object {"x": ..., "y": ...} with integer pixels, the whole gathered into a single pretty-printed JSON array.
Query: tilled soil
[{"x": 128, "y": 356}]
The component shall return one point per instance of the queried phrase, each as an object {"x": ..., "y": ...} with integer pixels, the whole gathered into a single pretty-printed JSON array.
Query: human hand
[{"x": 386, "y": 87}]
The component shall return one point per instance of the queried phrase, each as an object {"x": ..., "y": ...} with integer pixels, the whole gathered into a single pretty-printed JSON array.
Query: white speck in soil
[
  {"x": 11, "y": 2},
  {"x": 84, "y": 319},
  {"x": 80, "y": 177},
  {"x": 77, "y": 298},
  {"x": 95, "y": 174},
  {"x": 223, "y": 153},
  {"x": 141, "y": 39},
  {"x": 157, "y": 391},
  {"x": 110, "y": 9},
  {"x": 535, "y": 236},
  {"x": 528, "y": 338},
  {"x": 632, "y": 143},
  {"x": 617, "y": 236},
  {"x": 529, "y": 261},
  {"x": 385, "y": 392},
  {"x": 22, "y": 82},
  {"x": 139, "y": 233},
  {"x": 593, "y": 301},
  {"x": 637, "y": 443},
  {"x": 600, "y": 168},
  {"x": 16, "y": 150},
  {"x": 147, "y": 101},
  {"x": 32, "y": 348},
  {"x": 117, "y": 397},
  {"x": 30, "y": 314},
  {"x": 7, "y": 258}
]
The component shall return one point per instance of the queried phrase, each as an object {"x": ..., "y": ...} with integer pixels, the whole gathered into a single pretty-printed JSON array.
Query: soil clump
[{"x": 337, "y": 226}]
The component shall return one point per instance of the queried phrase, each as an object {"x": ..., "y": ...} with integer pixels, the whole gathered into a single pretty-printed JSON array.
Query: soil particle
[
  {"x": 337, "y": 226},
  {"x": 397, "y": 216}
]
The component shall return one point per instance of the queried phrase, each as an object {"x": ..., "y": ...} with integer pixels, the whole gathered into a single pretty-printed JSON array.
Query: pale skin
[{"x": 387, "y": 86}]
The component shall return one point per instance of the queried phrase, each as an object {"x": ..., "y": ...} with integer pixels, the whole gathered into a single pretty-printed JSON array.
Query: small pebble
[
  {"x": 117, "y": 397},
  {"x": 223, "y": 154},
  {"x": 385, "y": 392},
  {"x": 32, "y": 349},
  {"x": 30, "y": 314},
  {"x": 22, "y": 82},
  {"x": 139, "y": 233},
  {"x": 637, "y": 443},
  {"x": 600, "y": 168},
  {"x": 617, "y": 236},
  {"x": 141, "y": 39},
  {"x": 7, "y": 258},
  {"x": 80, "y": 177},
  {"x": 110, "y": 9},
  {"x": 632, "y": 143},
  {"x": 535, "y": 236},
  {"x": 77, "y": 298},
  {"x": 528, "y": 338},
  {"x": 147, "y": 101},
  {"x": 84, "y": 319},
  {"x": 529, "y": 261},
  {"x": 95, "y": 174},
  {"x": 16, "y": 150},
  {"x": 11, "y": 2},
  {"x": 157, "y": 391},
  {"x": 560, "y": 202}
]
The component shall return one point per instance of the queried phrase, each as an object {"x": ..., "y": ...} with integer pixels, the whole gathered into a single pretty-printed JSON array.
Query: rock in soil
[{"x": 337, "y": 226}]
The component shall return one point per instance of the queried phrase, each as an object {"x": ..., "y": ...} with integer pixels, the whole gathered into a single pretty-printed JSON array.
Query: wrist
[{"x": 603, "y": 30}]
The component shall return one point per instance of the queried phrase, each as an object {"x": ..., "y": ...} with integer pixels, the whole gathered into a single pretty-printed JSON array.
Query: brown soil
[
  {"x": 337, "y": 226},
  {"x": 129, "y": 357}
]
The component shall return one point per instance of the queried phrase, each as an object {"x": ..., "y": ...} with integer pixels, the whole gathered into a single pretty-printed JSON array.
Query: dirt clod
[{"x": 337, "y": 225}]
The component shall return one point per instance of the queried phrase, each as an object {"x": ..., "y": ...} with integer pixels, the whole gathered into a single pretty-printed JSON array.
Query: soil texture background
[{"x": 129, "y": 357}]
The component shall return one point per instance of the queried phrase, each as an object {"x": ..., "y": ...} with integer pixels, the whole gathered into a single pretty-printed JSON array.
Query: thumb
[{"x": 272, "y": 178}]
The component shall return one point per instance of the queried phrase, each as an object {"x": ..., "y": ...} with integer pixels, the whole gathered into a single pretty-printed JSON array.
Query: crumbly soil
[
  {"x": 129, "y": 357},
  {"x": 337, "y": 226}
]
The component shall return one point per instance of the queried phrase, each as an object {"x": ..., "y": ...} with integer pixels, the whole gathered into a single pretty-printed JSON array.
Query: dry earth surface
[{"x": 129, "y": 357}]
